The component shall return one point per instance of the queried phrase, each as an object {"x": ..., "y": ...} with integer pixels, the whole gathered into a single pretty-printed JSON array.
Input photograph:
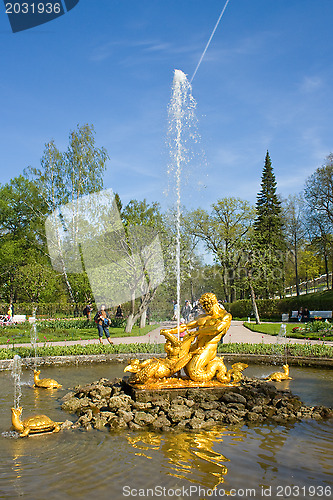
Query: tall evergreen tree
[
  {"x": 268, "y": 235},
  {"x": 268, "y": 223}
]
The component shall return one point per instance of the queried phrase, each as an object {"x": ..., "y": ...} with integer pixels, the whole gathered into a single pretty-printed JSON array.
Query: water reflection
[
  {"x": 188, "y": 455},
  {"x": 81, "y": 465}
]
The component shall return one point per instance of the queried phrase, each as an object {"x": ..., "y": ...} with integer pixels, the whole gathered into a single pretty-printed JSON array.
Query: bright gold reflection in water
[{"x": 188, "y": 455}]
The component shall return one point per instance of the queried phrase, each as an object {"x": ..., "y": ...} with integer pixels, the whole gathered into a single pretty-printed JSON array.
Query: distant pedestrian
[
  {"x": 305, "y": 315},
  {"x": 300, "y": 314},
  {"x": 87, "y": 312},
  {"x": 186, "y": 311},
  {"x": 119, "y": 312},
  {"x": 102, "y": 320},
  {"x": 175, "y": 310}
]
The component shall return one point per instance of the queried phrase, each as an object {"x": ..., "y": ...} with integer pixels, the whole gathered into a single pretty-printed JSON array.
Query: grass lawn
[
  {"x": 19, "y": 334},
  {"x": 274, "y": 328}
]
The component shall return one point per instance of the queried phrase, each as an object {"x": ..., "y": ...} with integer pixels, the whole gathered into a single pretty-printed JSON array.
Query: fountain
[
  {"x": 196, "y": 353},
  {"x": 16, "y": 374},
  {"x": 33, "y": 338},
  {"x": 181, "y": 133}
]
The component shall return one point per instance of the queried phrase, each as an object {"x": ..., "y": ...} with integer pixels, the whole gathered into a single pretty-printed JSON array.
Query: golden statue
[
  {"x": 46, "y": 383},
  {"x": 279, "y": 376},
  {"x": 161, "y": 368},
  {"x": 33, "y": 425},
  {"x": 196, "y": 352}
]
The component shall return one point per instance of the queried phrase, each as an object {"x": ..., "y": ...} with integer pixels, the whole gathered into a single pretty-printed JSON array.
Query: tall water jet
[
  {"x": 182, "y": 134},
  {"x": 16, "y": 374},
  {"x": 33, "y": 339}
]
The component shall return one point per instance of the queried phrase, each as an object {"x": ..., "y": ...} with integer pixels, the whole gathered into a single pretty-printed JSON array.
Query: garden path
[{"x": 237, "y": 333}]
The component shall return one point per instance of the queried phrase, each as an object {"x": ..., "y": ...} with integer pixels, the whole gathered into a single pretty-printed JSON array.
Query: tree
[
  {"x": 318, "y": 194},
  {"x": 268, "y": 231},
  {"x": 62, "y": 179},
  {"x": 318, "y": 191},
  {"x": 295, "y": 230},
  {"x": 147, "y": 218},
  {"x": 20, "y": 230},
  {"x": 32, "y": 280},
  {"x": 224, "y": 232}
]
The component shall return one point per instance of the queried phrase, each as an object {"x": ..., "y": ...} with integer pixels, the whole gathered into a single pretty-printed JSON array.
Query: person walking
[
  {"x": 119, "y": 312},
  {"x": 102, "y": 320},
  {"x": 186, "y": 311},
  {"x": 87, "y": 312}
]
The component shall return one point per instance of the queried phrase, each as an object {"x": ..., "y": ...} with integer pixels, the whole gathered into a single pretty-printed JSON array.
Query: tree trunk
[
  {"x": 143, "y": 319},
  {"x": 253, "y": 298},
  {"x": 130, "y": 323},
  {"x": 296, "y": 268},
  {"x": 326, "y": 271}
]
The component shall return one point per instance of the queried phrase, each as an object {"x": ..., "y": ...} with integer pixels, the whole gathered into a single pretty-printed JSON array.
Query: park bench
[
  {"x": 312, "y": 315},
  {"x": 19, "y": 318}
]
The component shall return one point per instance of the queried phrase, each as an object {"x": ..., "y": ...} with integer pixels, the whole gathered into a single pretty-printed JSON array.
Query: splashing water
[
  {"x": 33, "y": 339},
  {"x": 182, "y": 134},
  {"x": 16, "y": 374},
  {"x": 281, "y": 340}
]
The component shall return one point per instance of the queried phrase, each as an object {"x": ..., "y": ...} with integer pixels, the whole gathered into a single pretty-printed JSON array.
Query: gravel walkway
[{"x": 237, "y": 333}]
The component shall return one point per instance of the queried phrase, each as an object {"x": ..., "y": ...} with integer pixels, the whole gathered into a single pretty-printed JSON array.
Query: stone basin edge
[{"x": 264, "y": 359}]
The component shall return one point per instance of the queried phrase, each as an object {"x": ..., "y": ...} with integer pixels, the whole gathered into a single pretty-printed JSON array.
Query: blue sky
[{"x": 265, "y": 83}]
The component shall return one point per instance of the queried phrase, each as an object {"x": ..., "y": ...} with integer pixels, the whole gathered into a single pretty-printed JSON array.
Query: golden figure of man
[{"x": 210, "y": 328}]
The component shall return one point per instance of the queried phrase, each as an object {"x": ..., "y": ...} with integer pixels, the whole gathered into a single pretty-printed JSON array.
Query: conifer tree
[
  {"x": 268, "y": 234},
  {"x": 268, "y": 222}
]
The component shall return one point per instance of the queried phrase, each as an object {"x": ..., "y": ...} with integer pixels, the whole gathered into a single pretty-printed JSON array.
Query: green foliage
[
  {"x": 318, "y": 330},
  {"x": 77, "y": 324},
  {"x": 318, "y": 350}
]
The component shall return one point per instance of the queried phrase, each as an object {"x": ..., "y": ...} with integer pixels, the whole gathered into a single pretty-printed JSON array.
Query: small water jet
[
  {"x": 33, "y": 339},
  {"x": 16, "y": 374}
]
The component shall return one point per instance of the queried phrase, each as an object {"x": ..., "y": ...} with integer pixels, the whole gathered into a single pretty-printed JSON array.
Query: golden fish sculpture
[
  {"x": 278, "y": 376},
  {"x": 33, "y": 425},
  {"x": 45, "y": 383}
]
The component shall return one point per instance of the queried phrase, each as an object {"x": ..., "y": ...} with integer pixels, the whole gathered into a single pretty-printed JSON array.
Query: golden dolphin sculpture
[
  {"x": 33, "y": 425},
  {"x": 45, "y": 383},
  {"x": 196, "y": 352},
  {"x": 278, "y": 376}
]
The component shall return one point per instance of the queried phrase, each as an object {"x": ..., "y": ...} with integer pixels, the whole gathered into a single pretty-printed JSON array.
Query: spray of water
[
  {"x": 16, "y": 374},
  {"x": 33, "y": 339},
  {"x": 280, "y": 340},
  {"x": 182, "y": 134}
]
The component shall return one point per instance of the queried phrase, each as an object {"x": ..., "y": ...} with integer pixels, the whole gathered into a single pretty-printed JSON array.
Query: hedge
[
  {"x": 317, "y": 350},
  {"x": 274, "y": 308}
]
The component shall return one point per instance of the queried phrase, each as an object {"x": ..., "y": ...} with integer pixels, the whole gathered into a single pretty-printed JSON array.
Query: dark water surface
[{"x": 238, "y": 462}]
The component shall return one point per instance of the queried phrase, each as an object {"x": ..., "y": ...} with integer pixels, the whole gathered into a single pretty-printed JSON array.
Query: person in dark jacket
[{"x": 102, "y": 320}]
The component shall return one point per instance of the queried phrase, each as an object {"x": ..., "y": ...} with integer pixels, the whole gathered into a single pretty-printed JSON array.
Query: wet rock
[
  {"x": 127, "y": 416},
  {"x": 209, "y": 405},
  {"x": 214, "y": 415},
  {"x": 134, "y": 427},
  {"x": 161, "y": 422},
  {"x": 196, "y": 423},
  {"x": 199, "y": 414},
  {"x": 251, "y": 416},
  {"x": 142, "y": 418},
  {"x": 177, "y": 413},
  {"x": 108, "y": 404},
  {"x": 68, "y": 424},
  {"x": 233, "y": 419},
  {"x": 116, "y": 423},
  {"x": 233, "y": 397},
  {"x": 73, "y": 404},
  {"x": 122, "y": 401}
]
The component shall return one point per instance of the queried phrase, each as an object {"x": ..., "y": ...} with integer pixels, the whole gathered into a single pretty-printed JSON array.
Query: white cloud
[{"x": 311, "y": 84}]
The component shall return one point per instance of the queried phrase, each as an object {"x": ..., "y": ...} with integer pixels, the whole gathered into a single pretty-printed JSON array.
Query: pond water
[{"x": 243, "y": 462}]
